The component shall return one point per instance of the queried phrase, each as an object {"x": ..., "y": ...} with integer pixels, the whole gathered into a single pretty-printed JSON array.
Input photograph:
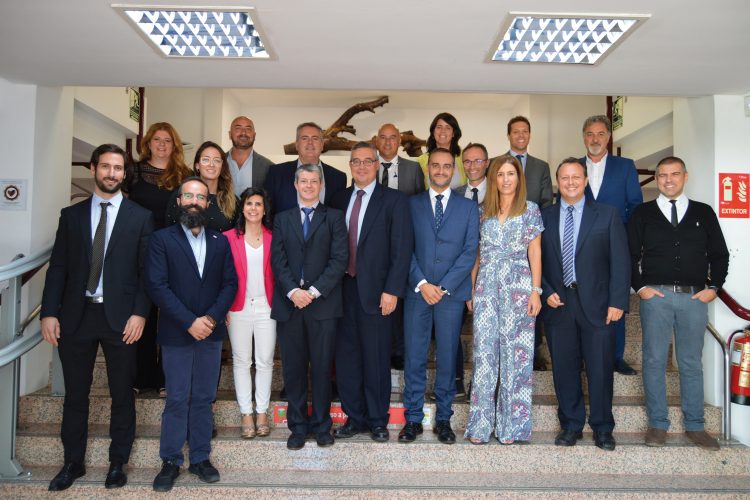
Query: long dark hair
[
  {"x": 225, "y": 190},
  {"x": 450, "y": 120},
  {"x": 239, "y": 226}
]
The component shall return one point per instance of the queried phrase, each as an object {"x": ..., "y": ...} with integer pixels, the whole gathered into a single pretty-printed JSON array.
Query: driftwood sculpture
[{"x": 332, "y": 142}]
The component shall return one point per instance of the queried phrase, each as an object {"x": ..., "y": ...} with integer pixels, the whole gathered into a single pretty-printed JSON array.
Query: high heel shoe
[
  {"x": 248, "y": 426},
  {"x": 263, "y": 428}
]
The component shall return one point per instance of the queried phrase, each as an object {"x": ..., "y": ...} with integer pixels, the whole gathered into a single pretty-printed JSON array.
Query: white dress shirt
[
  {"x": 363, "y": 208},
  {"x": 392, "y": 171},
  {"x": 96, "y": 214},
  {"x": 596, "y": 173},
  {"x": 481, "y": 190},
  {"x": 666, "y": 207}
]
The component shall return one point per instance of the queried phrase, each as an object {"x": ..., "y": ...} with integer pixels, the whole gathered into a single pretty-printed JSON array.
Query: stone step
[
  {"x": 41, "y": 446},
  {"x": 42, "y": 408}
]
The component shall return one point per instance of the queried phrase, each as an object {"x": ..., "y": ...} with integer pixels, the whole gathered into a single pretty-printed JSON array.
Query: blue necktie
[
  {"x": 438, "y": 211},
  {"x": 568, "y": 251},
  {"x": 475, "y": 194},
  {"x": 306, "y": 222}
]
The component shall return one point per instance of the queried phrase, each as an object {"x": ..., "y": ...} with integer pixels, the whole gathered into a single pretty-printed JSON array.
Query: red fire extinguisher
[{"x": 741, "y": 370}]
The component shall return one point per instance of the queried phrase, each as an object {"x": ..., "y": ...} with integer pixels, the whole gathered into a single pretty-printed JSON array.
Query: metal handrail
[
  {"x": 18, "y": 348},
  {"x": 25, "y": 264},
  {"x": 726, "y": 402},
  {"x": 25, "y": 323}
]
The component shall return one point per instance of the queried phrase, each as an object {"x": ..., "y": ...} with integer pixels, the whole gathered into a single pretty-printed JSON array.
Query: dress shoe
[
  {"x": 410, "y": 432},
  {"x": 380, "y": 434},
  {"x": 623, "y": 368},
  {"x": 567, "y": 437},
  {"x": 347, "y": 430},
  {"x": 69, "y": 473},
  {"x": 324, "y": 439},
  {"x": 166, "y": 477},
  {"x": 444, "y": 432},
  {"x": 295, "y": 441},
  {"x": 604, "y": 440},
  {"x": 116, "y": 477},
  {"x": 656, "y": 437},
  {"x": 205, "y": 471},
  {"x": 702, "y": 439},
  {"x": 397, "y": 362}
]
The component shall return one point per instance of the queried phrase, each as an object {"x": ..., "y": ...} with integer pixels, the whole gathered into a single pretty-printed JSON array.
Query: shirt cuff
[
  {"x": 422, "y": 282},
  {"x": 314, "y": 291},
  {"x": 291, "y": 292}
]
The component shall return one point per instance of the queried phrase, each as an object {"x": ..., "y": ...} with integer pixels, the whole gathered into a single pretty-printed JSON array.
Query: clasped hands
[
  {"x": 613, "y": 313},
  {"x": 201, "y": 328}
]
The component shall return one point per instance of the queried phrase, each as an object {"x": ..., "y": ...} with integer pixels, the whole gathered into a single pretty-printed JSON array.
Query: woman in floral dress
[{"x": 506, "y": 301}]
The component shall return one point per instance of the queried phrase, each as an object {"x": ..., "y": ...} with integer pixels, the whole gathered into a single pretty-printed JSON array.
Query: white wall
[{"x": 112, "y": 103}]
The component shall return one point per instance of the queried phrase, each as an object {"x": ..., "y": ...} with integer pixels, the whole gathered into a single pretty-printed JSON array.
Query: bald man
[{"x": 248, "y": 167}]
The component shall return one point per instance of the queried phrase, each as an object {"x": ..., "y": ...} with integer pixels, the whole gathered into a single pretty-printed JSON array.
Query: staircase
[{"x": 361, "y": 468}]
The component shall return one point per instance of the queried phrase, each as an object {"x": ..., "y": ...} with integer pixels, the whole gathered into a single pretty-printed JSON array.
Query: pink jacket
[{"x": 237, "y": 244}]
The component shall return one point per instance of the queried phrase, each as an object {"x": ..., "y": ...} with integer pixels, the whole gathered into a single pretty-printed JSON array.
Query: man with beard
[
  {"x": 94, "y": 294},
  {"x": 190, "y": 276},
  {"x": 247, "y": 166}
]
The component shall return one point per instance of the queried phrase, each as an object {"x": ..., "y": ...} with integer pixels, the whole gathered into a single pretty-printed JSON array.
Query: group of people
[{"x": 354, "y": 280}]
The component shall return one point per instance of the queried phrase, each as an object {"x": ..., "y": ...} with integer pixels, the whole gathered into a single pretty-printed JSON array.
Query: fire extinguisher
[{"x": 741, "y": 370}]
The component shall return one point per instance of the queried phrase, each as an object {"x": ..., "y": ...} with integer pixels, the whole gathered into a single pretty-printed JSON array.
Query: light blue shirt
[
  {"x": 242, "y": 175},
  {"x": 363, "y": 208},
  {"x": 96, "y": 214},
  {"x": 524, "y": 156},
  {"x": 198, "y": 246},
  {"x": 577, "y": 214}
]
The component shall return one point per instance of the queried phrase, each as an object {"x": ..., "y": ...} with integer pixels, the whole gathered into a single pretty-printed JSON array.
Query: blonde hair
[{"x": 491, "y": 205}]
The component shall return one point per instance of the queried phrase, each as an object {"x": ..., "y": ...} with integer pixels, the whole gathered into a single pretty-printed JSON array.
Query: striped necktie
[{"x": 568, "y": 251}]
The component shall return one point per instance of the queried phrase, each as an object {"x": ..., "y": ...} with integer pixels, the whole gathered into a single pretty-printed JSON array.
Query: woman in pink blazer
[{"x": 250, "y": 314}]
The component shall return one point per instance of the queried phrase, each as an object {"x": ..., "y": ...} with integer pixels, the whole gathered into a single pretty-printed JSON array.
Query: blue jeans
[
  {"x": 191, "y": 375},
  {"x": 687, "y": 318}
]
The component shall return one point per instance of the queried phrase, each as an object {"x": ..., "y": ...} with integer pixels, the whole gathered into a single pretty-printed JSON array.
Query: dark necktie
[
  {"x": 306, "y": 222},
  {"x": 520, "y": 160},
  {"x": 351, "y": 269},
  {"x": 384, "y": 179},
  {"x": 568, "y": 252},
  {"x": 97, "y": 250},
  {"x": 475, "y": 194},
  {"x": 675, "y": 220},
  {"x": 438, "y": 210}
]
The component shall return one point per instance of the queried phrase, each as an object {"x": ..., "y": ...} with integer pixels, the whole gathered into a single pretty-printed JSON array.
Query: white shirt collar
[{"x": 115, "y": 201}]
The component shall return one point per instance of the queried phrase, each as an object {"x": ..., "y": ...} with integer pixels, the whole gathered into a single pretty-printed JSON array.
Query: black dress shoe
[
  {"x": 205, "y": 471},
  {"x": 166, "y": 477},
  {"x": 604, "y": 440},
  {"x": 380, "y": 434},
  {"x": 623, "y": 368},
  {"x": 410, "y": 432},
  {"x": 324, "y": 439},
  {"x": 69, "y": 473},
  {"x": 347, "y": 430},
  {"x": 397, "y": 362},
  {"x": 444, "y": 432},
  {"x": 567, "y": 437},
  {"x": 116, "y": 477},
  {"x": 295, "y": 441}
]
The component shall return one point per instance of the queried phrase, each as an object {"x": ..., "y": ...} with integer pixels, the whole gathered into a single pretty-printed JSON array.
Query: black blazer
[
  {"x": 68, "y": 273},
  {"x": 280, "y": 185},
  {"x": 386, "y": 242},
  {"x": 324, "y": 257}
]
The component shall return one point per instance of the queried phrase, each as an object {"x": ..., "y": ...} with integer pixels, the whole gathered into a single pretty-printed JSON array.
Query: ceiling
[{"x": 686, "y": 48}]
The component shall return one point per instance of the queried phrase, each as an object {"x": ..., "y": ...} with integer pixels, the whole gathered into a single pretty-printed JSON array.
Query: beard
[
  {"x": 243, "y": 145},
  {"x": 192, "y": 216},
  {"x": 104, "y": 188}
]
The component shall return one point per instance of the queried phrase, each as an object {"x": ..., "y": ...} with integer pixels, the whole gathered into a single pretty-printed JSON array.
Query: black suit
[
  {"x": 279, "y": 185},
  {"x": 363, "y": 346},
  {"x": 307, "y": 336},
  {"x": 83, "y": 325}
]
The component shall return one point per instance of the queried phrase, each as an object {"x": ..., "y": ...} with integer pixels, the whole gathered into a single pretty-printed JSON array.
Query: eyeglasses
[
  {"x": 190, "y": 196},
  {"x": 367, "y": 162},
  {"x": 206, "y": 161},
  {"x": 478, "y": 163}
]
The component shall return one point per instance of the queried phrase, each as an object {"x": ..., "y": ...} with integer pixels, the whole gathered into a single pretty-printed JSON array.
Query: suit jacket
[
  {"x": 261, "y": 165},
  {"x": 385, "y": 244},
  {"x": 182, "y": 295},
  {"x": 601, "y": 260},
  {"x": 280, "y": 185},
  {"x": 237, "y": 245},
  {"x": 538, "y": 182},
  {"x": 324, "y": 256},
  {"x": 410, "y": 177},
  {"x": 620, "y": 187},
  {"x": 445, "y": 256},
  {"x": 123, "y": 283}
]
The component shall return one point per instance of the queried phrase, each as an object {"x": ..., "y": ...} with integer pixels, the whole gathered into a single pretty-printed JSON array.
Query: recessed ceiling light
[
  {"x": 562, "y": 38},
  {"x": 216, "y": 32}
]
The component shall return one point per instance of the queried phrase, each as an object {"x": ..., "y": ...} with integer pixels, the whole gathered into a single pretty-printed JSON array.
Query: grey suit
[
  {"x": 538, "y": 181},
  {"x": 410, "y": 176},
  {"x": 261, "y": 164}
]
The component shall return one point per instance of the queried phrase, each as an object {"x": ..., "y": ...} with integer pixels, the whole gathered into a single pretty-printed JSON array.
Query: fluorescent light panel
[
  {"x": 562, "y": 38},
  {"x": 198, "y": 32}
]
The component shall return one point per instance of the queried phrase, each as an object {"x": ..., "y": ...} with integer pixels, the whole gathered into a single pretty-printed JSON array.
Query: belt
[
  {"x": 95, "y": 300},
  {"x": 682, "y": 288},
  {"x": 572, "y": 286}
]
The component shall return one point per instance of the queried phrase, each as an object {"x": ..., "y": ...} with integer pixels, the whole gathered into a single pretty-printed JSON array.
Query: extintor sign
[{"x": 733, "y": 196}]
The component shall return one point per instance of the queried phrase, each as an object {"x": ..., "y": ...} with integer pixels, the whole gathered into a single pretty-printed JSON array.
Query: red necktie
[{"x": 351, "y": 269}]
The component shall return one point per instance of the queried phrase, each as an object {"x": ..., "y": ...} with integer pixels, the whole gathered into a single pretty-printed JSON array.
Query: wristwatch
[{"x": 537, "y": 290}]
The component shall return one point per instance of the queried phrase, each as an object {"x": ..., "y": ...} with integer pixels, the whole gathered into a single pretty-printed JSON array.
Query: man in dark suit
[
  {"x": 446, "y": 237},
  {"x": 474, "y": 157},
  {"x": 308, "y": 258},
  {"x": 585, "y": 282},
  {"x": 94, "y": 294},
  {"x": 248, "y": 167},
  {"x": 380, "y": 248},
  {"x": 613, "y": 180},
  {"x": 191, "y": 278},
  {"x": 280, "y": 180}
]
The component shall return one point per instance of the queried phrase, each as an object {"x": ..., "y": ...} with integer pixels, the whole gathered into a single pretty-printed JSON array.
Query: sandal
[
  {"x": 263, "y": 428},
  {"x": 248, "y": 426}
]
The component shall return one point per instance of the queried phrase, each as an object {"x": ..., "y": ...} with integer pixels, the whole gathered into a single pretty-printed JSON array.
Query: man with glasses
[
  {"x": 190, "y": 276},
  {"x": 247, "y": 166}
]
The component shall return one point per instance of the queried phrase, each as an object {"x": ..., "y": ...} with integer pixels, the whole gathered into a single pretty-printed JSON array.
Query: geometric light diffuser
[
  {"x": 198, "y": 31},
  {"x": 562, "y": 38}
]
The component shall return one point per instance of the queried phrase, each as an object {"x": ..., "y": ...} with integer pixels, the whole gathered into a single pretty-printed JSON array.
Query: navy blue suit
[
  {"x": 279, "y": 185},
  {"x": 443, "y": 257},
  {"x": 578, "y": 328},
  {"x": 363, "y": 345}
]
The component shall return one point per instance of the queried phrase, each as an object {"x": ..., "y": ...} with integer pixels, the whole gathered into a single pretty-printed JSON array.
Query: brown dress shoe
[
  {"x": 702, "y": 439},
  {"x": 656, "y": 437}
]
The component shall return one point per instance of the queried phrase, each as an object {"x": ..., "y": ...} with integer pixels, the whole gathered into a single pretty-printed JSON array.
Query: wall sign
[
  {"x": 13, "y": 194},
  {"x": 733, "y": 196}
]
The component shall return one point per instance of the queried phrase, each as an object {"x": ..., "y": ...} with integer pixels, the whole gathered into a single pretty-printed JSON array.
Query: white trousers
[{"x": 253, "y": 322}]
